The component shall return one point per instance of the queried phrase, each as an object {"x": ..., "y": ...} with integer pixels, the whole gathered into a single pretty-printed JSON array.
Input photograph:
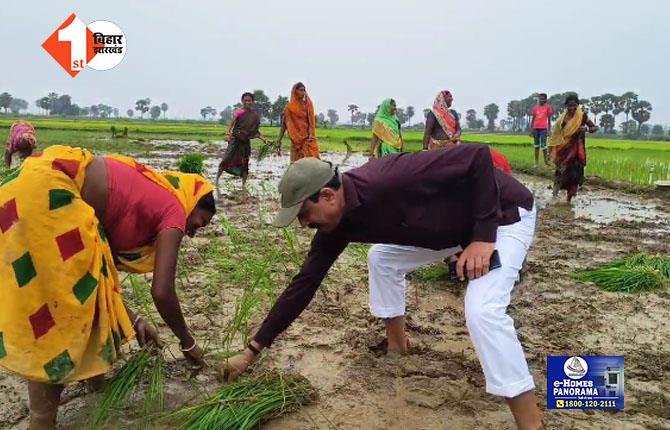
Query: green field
[{"x": 637, "y": 162}]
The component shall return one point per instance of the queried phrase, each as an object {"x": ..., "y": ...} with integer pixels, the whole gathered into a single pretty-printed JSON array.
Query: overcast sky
[{"x": 193, "y": 54}]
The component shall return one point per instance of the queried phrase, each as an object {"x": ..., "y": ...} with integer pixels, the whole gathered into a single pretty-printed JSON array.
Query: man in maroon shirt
[{"x": 418, "y": 208}]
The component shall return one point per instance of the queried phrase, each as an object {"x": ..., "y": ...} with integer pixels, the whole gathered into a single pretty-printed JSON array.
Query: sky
[{"x": 194, "y": 54}]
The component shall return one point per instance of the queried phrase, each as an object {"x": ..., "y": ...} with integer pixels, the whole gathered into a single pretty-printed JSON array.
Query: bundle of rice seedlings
[
  {"x": 124, "y": 384},
  {"x": 631, "y": 274},
  {"x": 268, "y": 148},
  {"x": 649, "y": 261},
  {"x": 247, "y": 403},
  {"x": 154, "y": 399},
  {"x": 191, "y": 163}
]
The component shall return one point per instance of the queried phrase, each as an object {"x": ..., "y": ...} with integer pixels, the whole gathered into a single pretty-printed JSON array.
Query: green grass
[
  {"x": 433, "y": 273},
  {"x": 258, "y": 262},
  {"x": 639, "y": 166},
  {"x": 636, "y": 162},
  {"x": 593, "y": 141},
  {"x": 632, "y": 274},
  {"x": 119, "y": 390},
  {"x": 247, "y": 403}
]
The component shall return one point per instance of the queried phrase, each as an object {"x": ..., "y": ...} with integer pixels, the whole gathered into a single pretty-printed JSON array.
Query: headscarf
[
  {"x": 386, "y": 126},
  {"x": 442, "y": 112},
  {"x": 500, "y": 161},
  {"x": 188, "y": 188},
  {"x": 21, "y": 138},
  {"x": 562, "y": 132},
  {"x": 297, "y": 114}
]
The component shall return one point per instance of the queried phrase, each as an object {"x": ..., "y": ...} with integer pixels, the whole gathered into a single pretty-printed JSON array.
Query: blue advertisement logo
[{"x": 585, "y": 382}]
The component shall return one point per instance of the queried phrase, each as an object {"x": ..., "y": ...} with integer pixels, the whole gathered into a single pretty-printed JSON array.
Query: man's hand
[
  {"x": 234, "y": 366},
  {"x": 474, "y": 260},
  {"x": 146, "y": 333}
]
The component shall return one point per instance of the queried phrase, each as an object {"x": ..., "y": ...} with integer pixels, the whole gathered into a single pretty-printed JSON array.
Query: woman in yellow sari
[
  {"x": 300, "y": 122},
  {"x": 568, "y": 147},
  {"x": 68, "y": 220},
  {"x": 386, "y": 135}
]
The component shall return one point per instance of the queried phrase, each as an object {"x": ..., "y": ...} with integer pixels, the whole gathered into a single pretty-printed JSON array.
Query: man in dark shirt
[{"x": 418, "y": 208}]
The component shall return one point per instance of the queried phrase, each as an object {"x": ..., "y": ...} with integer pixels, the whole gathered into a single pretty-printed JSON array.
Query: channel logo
[{"x": 100, "y": 45}]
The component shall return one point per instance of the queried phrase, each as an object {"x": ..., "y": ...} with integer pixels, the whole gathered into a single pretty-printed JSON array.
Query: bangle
[
  {"x": 253, "y": 349},
  {"x": 137, "y": 318},
  {"x": 188, "y": 349}
]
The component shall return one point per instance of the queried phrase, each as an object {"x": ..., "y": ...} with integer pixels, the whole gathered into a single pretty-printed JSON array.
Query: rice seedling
[
  {"x": 154, "y": 400},
  {"x": 266, "y": 150},
  {"x": 191, "y": 163},
  {"x": 6, "y": 173},
  {"x": 119, "y": 390},
  {"x": 141, "y": 296},
  {"x": 247, "y": 403},
  {"x": 295, "y": 255},
  {"x": 640, "y": 260},
  {"x": 632, "y": 274}
]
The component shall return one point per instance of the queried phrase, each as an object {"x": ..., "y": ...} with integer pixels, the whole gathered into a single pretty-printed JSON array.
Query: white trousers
[{"x": 491, "y": 329}]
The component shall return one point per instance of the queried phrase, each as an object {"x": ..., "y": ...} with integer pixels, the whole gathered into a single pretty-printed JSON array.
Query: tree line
[
  {"x": 54, "y": 104},
  {"x": 609, "y": 106},
  {"x": 604, "y": 109}
]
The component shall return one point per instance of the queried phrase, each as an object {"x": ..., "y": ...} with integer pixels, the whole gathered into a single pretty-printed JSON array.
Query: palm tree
[
  {"x": 627, "y": 102},
  {"x": 164, "y": 108},
  {"x": 353, "y": 109},
  {"x": 410, "y": 113},
  {"x": 641, "y": 111},
  {"x": 515, "y": 111},
  {"x": 491, "y": 113},
  {"x": 5, "y": 101},
  {"x": 596, "y": 105}
]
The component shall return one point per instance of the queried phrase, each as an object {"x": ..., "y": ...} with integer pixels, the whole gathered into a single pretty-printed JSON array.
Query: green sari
[{"x": 387, "y": 128}]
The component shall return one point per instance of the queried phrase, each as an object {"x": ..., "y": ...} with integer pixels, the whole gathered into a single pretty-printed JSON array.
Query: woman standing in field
[
  {"x": 386, "y": 135},
  {"x": 444, "y": 130},
  {"x": 568, "y": 147},
  {"x": 299, "y": 121},
  {"x": 22, "y": 140},
  {"x": 442, "y": 125},
  {"x": 68, "y": 220},
  {"x": 243, "y": 128}
]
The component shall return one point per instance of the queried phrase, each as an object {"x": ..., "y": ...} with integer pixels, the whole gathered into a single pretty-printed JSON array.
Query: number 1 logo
[{"x": 71, "y": 45}]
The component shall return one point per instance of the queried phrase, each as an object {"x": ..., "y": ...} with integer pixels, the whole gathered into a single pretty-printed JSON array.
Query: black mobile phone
[{"x": 494, "y": 263}]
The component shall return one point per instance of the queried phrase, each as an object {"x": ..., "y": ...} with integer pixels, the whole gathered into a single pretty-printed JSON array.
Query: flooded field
[{"x": 336, "y": 344}]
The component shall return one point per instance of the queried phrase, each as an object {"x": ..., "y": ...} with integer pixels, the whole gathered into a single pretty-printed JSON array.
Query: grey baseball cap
[{"x": 302, "y": 179}]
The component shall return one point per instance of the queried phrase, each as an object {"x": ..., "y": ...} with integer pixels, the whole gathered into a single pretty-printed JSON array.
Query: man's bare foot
[{"x": 399, "y": 349}]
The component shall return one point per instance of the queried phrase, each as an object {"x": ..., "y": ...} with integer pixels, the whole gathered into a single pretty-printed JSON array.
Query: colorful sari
[
  {"x": 21, "y": 138},
  {"x": 387, "y": 129},
  {"x": 63, "y": 317},
  {"x": 568, "y": 150},
  {"x": 447, "y": 118},
  {"x": 297, "y": 117},
  {"x": 236, "y": 158}
]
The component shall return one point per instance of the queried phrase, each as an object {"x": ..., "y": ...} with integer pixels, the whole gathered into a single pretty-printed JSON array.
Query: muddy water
[{"x": 600, "y": 205}]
